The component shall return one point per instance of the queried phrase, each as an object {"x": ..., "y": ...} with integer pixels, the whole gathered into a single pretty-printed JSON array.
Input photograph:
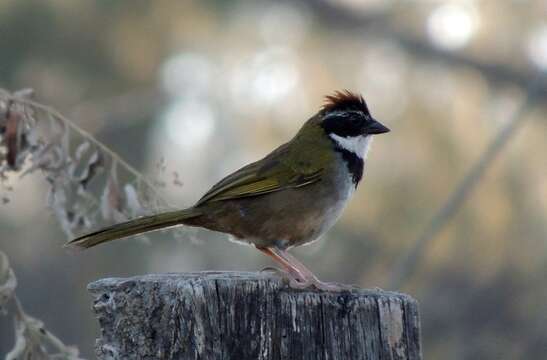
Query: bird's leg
[
  {"x": 299, "y": 276},
  {"x": 310, "y": 278},
  {"x": 301, "y": 268},
  {"x": 296, "y": 278}
]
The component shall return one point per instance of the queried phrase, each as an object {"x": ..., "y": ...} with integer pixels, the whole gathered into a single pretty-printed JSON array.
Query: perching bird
[{"x": 289, "y": 198}]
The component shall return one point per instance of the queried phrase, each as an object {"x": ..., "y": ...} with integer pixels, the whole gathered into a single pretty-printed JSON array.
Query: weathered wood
[{"x": 242, "y": 316}]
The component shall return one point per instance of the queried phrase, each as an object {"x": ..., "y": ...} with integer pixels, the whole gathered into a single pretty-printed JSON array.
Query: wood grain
[{"x": 235, "y": 315}]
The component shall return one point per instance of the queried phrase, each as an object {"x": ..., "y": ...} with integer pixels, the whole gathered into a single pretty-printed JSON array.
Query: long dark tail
[{"x": 134, "y": 227}]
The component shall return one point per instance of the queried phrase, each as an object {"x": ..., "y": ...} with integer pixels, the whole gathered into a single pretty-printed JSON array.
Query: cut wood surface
[{"x": 240, "y": 315}]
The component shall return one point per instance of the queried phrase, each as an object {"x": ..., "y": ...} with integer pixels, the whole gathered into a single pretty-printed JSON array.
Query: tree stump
[{"x": 244, "y": 316}]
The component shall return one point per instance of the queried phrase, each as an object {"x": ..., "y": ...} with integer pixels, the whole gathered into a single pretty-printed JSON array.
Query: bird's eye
[{"x": 356, "y": 121}]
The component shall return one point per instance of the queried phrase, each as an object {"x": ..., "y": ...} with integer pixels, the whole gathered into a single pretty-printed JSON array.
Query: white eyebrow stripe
[{"x": 359, "y": 145}]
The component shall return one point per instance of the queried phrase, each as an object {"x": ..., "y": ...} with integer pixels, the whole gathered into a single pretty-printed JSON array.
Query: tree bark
[{"x": 244, "y": 316}]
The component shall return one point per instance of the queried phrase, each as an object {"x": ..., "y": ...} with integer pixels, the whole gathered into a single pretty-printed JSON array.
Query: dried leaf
[
  {"x": 111, "y": 199},
  {"x": 33, "y": 137},
  {"x": 13, "y": 138},
  {"x": 132, "y": 200},
  {"x": 64, "y": 218},
  {"x": 40, "y": 158},
  {"x": 93, "y": 164},
  {"x": 57, "y": 200},
  {"x": 8, "y": 282},
  {"x": 33, "y": 340},
  {"x": 60, "y": 134},
  {"x": 54, "y": 161},
  {"x": 59, "y": 197},
  {"x": 78, "y": 217},
  {"x": 81, "y": 149},
  {"x": 78, "y": 156}
]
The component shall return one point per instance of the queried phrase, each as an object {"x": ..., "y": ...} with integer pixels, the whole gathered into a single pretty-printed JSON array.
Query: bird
[{"x": 289, "y": 198}]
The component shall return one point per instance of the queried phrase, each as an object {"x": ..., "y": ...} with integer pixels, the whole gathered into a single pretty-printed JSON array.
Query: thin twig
[{"x": 408, "y": 263}]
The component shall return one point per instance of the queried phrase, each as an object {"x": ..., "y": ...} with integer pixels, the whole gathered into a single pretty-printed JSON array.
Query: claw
[
  {"x": 295, "y": 282},
  {"x": 298, "y": 275},
  {"x": 298, "y": 284}
]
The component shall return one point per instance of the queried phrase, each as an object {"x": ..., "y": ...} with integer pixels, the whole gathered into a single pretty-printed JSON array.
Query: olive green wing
[{"x": 273, "y": 173}]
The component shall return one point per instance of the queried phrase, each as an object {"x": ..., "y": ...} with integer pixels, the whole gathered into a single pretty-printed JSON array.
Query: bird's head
[
  {"x": 346, "y": 114},
  {"x": 346, "y": 120}
]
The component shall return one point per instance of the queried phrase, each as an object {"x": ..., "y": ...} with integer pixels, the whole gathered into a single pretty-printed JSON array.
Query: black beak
[{"x": 376, "y": 127}]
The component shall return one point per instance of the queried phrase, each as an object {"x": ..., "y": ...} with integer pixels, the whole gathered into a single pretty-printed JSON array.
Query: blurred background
[{"x": 188, "y": 91}]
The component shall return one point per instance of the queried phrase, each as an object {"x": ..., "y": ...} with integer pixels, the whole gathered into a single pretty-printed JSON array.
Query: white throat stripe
[{"x": 359, "y": 145}]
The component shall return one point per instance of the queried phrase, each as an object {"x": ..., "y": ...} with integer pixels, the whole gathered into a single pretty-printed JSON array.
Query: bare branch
[{"x": 378, "y": 24}]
